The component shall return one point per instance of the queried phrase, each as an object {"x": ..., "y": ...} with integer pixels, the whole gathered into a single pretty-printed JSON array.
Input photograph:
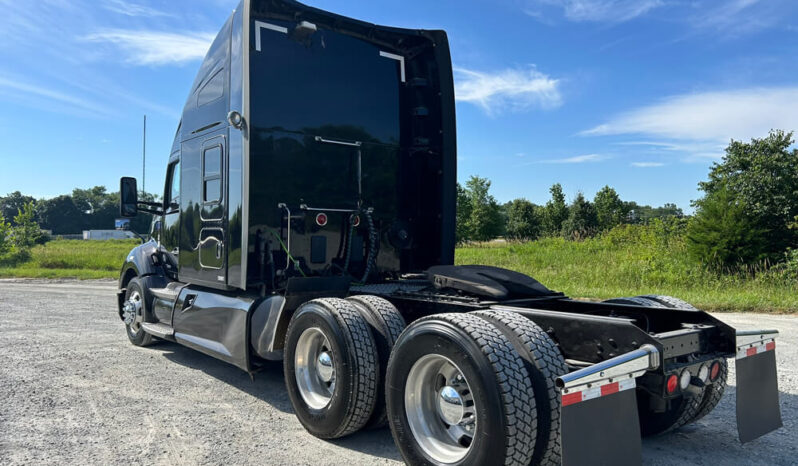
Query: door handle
[{"x": 219, "y": 247}]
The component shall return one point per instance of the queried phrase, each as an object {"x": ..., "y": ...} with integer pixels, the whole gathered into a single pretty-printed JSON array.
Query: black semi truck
[{"x": 309, "y": 217}]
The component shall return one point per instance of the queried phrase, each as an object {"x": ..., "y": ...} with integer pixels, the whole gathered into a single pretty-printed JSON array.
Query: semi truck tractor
[{"x": 308, "y": 217}]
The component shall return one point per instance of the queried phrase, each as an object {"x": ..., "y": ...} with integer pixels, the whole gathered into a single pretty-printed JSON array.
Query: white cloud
[
  {"x": 68, "y": 101},
  {"x": 613, "y": 11},
  {"x": 710, "y": 116},
  {"x": 156, "y": 48},
  {"x": 509, "y": 89},
  {"x": 647, "y": 164},
  {"x": 578, "y": 159},
  {"x": 132, "y": 9}
]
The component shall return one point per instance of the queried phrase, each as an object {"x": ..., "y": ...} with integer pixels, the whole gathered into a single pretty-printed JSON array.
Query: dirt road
[{"x": 73, "y": 390}]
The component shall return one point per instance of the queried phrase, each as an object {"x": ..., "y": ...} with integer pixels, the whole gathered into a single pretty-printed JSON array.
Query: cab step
[{"x": 159, "y": 330}]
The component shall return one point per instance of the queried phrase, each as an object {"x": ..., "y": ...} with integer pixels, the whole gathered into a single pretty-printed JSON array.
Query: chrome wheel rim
[
  {"x": 314, "y": 368},
  {"x": 440, "y": 408},
  {"x": 131, "y": 312}
]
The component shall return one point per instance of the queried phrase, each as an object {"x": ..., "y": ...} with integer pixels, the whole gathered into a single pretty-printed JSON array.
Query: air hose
[{"x": 373, "y": 240}]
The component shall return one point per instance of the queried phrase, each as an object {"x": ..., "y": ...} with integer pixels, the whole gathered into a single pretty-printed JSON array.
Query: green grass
[
  {"x": 631, "y": 261},
  {"x": 70, "y": 259},
  {"x": 627, "y": 261}
]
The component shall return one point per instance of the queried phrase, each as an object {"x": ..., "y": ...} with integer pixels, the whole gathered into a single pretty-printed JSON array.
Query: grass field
[
  {"x": 624, "y": 262},
  {"x": 72, "y": 259},
  {"x": 634, "y": 261}
]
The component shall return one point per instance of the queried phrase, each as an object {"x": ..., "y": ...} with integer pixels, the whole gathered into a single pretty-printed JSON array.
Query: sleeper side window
[{"x": 212, "y": 90}]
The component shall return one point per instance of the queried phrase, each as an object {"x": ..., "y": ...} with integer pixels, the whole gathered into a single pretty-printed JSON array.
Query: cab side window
[{"x": 174, "y": 187}]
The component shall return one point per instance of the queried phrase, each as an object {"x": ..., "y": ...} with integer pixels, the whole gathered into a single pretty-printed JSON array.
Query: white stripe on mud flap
[{"x": 597, "y": 392}]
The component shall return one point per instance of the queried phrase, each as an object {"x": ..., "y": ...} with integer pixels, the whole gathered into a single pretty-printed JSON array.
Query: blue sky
[{"x": 642, "y": 95}]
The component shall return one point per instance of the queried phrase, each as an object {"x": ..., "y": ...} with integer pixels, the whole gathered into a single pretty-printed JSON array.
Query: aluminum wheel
[
  {"x": 440, "y": 408},
  {"x": 315, "y": 368},
  {"x": 131, "y": 312}
]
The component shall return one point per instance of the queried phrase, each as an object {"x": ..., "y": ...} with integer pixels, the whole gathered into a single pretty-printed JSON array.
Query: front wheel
[
  {"x": 133, "y": 310},
  {"x": 458, "y": 393}
]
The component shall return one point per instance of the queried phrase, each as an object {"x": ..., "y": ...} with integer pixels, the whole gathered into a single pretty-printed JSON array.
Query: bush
[
  {"x": 26, "y": 231},
  {"x": 722, "y": 234},
  {"x": 5, "y": 232}
]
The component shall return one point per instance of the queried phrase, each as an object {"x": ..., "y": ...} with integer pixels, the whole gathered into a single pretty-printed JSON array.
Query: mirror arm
[
  {"x": 150, "y": 211},
  {"x": 151, "y": 204}
]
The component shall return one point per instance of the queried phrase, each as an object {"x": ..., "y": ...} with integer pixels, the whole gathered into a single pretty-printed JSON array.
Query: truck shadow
[
  {"x": 268, "y": 386},
  {"x": 718, "y": 433}
]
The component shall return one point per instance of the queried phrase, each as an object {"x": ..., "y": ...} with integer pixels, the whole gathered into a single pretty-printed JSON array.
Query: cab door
[
  {"x": 203, "y": 200},
  {"x": 212, "y": 250}
]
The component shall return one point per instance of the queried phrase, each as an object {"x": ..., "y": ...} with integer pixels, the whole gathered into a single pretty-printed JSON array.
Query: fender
[{"x": 144, "y": 262}]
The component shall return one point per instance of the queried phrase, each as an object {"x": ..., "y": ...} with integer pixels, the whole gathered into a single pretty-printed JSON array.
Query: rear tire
[
  {"x": 544, "y": 363},
  {"x": 704, "y": 404},
  {"x": 135, "y": 294},
  {"x": 685, "y": 410},
  {"x": 458, "y": 393},
  {"x": 386, "y": 325},
  {"x": 330, "y": 365}
]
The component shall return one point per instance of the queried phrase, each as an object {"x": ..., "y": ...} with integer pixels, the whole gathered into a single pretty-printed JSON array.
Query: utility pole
[{"x": 144, "y": 158}]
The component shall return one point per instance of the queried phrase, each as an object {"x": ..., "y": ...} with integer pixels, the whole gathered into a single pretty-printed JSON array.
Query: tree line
[
  {"x": 84, "y": 209},
  {"x": 748, "y": 214},
  {"x": 481, "y": 218}
]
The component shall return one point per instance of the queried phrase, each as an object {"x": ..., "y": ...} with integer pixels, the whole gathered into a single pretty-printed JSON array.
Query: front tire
[
  {"x": 134, "y": 309},
  {"x": 458, "y": 393},
  {"x": 331, "y": 367}
]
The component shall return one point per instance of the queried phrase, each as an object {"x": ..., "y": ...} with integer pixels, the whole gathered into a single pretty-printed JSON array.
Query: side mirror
[{"x": 128, "y": 197}]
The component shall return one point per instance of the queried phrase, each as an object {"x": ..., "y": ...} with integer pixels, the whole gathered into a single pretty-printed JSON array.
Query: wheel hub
[
  {"x": 450, "y": 405},
  {"x": 131, "y": 310},
  {"x": 324, "y": 365}
]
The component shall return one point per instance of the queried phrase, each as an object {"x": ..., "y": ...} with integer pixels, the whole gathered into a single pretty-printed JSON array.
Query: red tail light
[
  {"x": 673, "y": 382},
  {"x": 321, "y": 219},
  {"x": 714, "y": 371}
]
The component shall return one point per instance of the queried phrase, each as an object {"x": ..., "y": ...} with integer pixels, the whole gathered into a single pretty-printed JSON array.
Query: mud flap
[
  {"x": 758, "y": 410},
  {"x": 604, "y": 430},
  {"x": 599, "y": 423}
]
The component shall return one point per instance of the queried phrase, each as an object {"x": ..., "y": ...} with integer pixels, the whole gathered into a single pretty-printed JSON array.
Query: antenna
[{"x": 144, "y": 157}]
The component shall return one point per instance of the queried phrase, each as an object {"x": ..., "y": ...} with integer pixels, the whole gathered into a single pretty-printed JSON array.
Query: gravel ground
[{"x": 75, "y": 391}]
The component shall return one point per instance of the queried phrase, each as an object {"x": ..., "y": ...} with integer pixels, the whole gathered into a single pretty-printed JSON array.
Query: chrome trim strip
[{"x": 245, "y": 133}]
